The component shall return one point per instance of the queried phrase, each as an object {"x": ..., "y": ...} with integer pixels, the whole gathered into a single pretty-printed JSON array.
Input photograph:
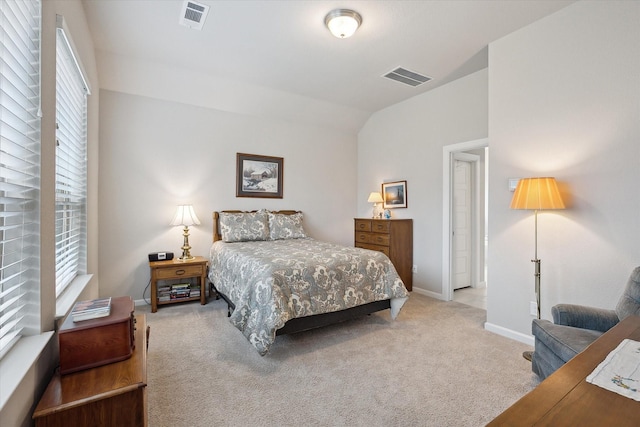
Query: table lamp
[
  {"x": 375, "y": 198},
  {"x": 185, "y": 216}
]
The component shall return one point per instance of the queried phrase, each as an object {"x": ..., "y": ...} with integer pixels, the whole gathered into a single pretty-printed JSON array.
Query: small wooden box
[{"x": 97, "y": 342}]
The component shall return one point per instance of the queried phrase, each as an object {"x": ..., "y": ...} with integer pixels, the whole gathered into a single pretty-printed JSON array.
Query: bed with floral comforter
[{"x": 272, "y": 281}]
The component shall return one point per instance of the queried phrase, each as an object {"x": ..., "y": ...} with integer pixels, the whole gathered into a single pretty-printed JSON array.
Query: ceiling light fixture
[{"x": 343, "y": 22}]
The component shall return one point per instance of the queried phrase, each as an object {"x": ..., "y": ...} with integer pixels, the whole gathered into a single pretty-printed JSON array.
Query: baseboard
[
  {"x": 511, "y": 334},
  {"x": 140, "y": 302},
  {"x": 428, "y": 293}
]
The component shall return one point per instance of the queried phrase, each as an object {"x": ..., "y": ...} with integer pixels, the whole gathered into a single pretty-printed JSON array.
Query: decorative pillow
[
  {"x": 244, "y": 226},
  {"x": 283, "y": 226}
]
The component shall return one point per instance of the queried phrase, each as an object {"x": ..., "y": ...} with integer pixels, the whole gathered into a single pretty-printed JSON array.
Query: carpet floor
[{"x": 434, "y": 365}]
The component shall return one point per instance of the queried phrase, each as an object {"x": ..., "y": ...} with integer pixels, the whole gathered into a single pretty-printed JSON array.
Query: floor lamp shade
[{"x": 537, "y": 194}]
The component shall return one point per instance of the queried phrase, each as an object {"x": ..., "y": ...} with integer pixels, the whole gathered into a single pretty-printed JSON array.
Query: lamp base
[
  {"x": 377, "y": 211},
  {"x": 186, "y": 248}
]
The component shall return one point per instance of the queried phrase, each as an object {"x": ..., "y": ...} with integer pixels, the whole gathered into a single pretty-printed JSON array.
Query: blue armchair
[{"x": 574, "y": 327}]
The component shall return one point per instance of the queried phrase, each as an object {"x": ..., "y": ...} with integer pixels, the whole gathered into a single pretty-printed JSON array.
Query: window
[
  {"x": 71, "y": 163},
  {"x": 19, "y": 170}
]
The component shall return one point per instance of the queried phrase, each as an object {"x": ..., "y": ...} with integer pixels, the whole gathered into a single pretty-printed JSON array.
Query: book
[
  {"x": 89, "y": 316},
  {"x": 91, "y": 309}
]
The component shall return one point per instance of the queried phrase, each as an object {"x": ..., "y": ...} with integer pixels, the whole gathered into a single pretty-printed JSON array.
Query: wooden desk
[
  {"x": 109, "y": 395},
  {"x": 565, "y": 398}
]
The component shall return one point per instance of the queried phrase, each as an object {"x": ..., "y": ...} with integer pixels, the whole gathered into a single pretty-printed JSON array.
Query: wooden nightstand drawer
[{"x": 178, "y": 272}]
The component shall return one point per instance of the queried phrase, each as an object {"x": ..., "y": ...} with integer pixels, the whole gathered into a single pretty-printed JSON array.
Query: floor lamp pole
[{"x": 537, "y": 264}]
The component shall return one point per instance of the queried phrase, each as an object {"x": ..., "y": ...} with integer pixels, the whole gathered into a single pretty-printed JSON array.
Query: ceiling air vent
[
  {"x": 193, "y": 14},
  {"x": 407, "y": 77}
]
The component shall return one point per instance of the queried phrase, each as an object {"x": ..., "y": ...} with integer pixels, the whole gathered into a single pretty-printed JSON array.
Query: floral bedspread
[{"x": 271, "y": 282}]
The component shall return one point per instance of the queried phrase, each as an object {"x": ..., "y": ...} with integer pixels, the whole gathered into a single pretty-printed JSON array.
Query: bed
[{"x": 277, "y": 280}]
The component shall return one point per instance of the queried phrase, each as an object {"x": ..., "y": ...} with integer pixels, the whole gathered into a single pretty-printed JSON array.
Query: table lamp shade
[
  {"x": 185, "y": 215},
  {"x": 375, "y": 197},
  {"x": 537, "y": 194}
]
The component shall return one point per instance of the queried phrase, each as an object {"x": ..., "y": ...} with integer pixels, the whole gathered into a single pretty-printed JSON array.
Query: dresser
[{"x": 393, "y": 237}]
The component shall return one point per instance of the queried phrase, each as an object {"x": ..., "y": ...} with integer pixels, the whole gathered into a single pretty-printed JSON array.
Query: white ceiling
[{"x": 285, "y": 46}]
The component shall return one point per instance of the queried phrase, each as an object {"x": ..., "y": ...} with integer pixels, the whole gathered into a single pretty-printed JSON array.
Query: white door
[
  {"x": 461, "y": 227},
  {"x": 450, "y": 153}
]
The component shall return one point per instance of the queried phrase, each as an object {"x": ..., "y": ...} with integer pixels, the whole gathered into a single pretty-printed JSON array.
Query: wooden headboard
[{"x": 216, "y": 217}]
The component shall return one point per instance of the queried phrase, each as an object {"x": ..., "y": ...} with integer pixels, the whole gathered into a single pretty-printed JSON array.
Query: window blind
[
  {"x": 19, "y": 170},
  {"x": 71, "y": 163}
]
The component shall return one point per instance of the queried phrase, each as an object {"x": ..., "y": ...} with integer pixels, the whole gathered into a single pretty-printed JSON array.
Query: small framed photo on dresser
[{"x": 394, "y": 194}]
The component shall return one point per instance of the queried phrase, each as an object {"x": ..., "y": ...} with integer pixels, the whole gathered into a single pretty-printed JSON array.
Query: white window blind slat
[{"x": 19, "y": 170}]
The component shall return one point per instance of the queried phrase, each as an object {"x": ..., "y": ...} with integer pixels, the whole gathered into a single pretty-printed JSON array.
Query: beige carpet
[{"x": 433, "y": 366}]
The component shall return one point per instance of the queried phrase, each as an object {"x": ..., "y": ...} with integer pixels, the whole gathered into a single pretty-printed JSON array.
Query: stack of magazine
[{"x": 92, "y": 309}]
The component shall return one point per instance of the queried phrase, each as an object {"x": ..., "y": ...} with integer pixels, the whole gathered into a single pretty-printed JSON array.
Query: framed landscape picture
[
  {"x": 259, "y": 176},
  {"x": 394, "y": 194}
]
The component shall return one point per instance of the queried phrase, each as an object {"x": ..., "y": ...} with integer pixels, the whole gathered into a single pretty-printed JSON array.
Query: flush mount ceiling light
[{"x": 343, "y": 22}]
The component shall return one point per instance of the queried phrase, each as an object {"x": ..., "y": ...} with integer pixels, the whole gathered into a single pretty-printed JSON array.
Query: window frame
[{"x": 72, "y": 91}]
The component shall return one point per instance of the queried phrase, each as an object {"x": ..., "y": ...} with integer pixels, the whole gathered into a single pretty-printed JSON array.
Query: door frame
[{"x": 447, "y": 199}]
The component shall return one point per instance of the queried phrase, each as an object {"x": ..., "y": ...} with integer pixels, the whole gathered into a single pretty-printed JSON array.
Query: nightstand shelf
[{"x": 175, "y": 269}]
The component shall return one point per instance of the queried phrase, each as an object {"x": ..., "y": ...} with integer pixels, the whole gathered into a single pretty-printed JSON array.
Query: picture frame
[
  {"x": 259, "y": 176},
  {"x": 394, "y": 195}
]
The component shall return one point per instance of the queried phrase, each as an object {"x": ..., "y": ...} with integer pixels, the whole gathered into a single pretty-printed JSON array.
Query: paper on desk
[{"x": 620, "y": 371}]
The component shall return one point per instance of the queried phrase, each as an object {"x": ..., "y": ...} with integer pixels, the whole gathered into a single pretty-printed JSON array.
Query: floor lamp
[{"x": 537, "y": 194}]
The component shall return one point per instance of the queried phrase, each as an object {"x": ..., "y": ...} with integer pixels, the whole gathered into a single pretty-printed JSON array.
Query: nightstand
[{"x": 175, "y": 269}]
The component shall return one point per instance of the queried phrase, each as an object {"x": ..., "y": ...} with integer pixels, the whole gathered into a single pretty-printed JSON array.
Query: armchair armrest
[{"x": 580, "y": 316}]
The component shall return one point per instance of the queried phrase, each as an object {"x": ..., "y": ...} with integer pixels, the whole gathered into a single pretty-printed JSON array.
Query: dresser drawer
[
  {"x": 379, "y": 239},
  {"x": 380, "y": 226},
  {"x": 363, "y": 225},
  {"x": 363, "y": 237},
  {"x": 376, "y": 239},
  {"x": 178, "y": 272},
  {"x": 383, "y": 249}
]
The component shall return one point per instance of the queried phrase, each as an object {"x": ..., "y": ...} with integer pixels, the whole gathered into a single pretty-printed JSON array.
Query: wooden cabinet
[
  {"x": 109, "y": 395},
  {"x": 393, "y": 237},
  {"x": 175, "y": 269}
]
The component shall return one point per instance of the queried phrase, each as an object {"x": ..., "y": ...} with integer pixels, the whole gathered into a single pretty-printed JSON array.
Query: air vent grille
[
  {"x": 193, "y": 14},
  {"x": 407, "y": 77}
]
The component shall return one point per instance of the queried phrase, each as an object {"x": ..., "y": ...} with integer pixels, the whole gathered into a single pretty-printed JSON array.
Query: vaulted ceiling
[{"x": 285, "y": 45}]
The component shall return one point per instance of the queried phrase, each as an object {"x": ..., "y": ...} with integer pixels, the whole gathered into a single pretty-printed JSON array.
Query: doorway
[{"x": 464, "y": 222}]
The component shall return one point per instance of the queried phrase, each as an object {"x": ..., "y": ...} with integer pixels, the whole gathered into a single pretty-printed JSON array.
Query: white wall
[
  {"x": 564, "y": 101},
  {"x": 156, "y": 154},
  {"x": 404, "y": 142}
]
